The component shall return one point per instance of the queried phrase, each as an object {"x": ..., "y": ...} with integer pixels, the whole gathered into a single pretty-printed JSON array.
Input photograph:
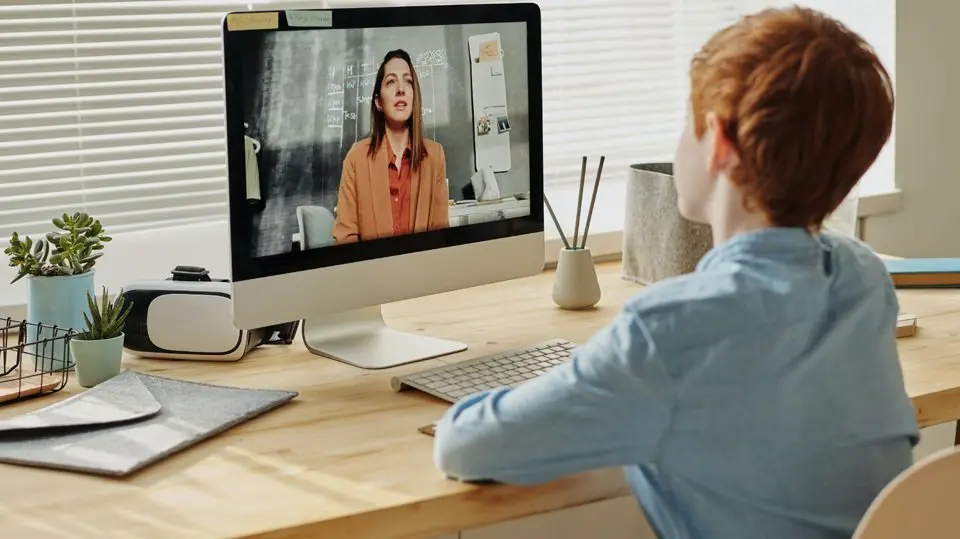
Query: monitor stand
[{"x": 361, "y": 338}]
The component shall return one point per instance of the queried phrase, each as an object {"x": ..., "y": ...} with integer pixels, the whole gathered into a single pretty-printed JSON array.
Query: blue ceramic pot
[{"x": 59, "y": 302}]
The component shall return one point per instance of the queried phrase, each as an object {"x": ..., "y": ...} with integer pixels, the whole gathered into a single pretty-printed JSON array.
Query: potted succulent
[
  {"x": 98, "y": 349},
  {"x": 59, "y": 270}
]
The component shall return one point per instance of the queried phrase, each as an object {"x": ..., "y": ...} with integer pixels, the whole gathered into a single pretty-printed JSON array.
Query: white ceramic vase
[
  {"x": 96, "y": 361},
  {"x": 576, "y": 285}
]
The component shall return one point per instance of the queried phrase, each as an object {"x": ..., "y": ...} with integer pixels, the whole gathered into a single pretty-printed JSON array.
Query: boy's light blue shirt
[{"x": 758, "y": 397}]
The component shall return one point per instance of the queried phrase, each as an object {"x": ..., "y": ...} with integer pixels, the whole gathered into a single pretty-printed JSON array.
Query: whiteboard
[{"x": 491, "y": 119}]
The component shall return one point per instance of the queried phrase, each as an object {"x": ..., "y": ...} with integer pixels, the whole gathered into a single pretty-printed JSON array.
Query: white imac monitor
[{"x": 354, "y": 139}]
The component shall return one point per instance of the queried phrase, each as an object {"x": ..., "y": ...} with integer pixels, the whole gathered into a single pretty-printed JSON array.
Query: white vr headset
[{"x": 190, "y": 316}]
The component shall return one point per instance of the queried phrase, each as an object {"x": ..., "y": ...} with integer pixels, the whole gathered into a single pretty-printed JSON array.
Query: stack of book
[{"x": 924, "y": 272}]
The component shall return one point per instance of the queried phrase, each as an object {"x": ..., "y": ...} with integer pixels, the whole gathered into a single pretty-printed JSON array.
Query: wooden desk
[{"x": 346, "y": 458}]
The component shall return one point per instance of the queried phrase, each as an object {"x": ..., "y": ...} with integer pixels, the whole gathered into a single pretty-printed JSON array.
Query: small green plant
[
  {"x": 106, "y": 319},
  {"x": 70, "y": 250}
]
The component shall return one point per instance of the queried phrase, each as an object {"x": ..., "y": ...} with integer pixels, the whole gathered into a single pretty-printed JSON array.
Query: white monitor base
[{"x": 361, "y": 338}]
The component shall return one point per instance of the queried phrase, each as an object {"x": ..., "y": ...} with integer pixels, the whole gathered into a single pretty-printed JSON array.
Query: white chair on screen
[
  {"x": 919, "y": 503},
  {"x": 316, "y": 227}
]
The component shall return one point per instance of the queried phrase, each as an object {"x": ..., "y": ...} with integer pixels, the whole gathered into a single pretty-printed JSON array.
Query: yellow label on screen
[{"x": 253, "y": 21}]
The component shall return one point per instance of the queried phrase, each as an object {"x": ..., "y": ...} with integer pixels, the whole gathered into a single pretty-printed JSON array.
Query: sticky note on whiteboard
[
  {"x": 268, "y": 20},
  {"x": 489, "y": 51},
  {"x": 310, "y": 19}
]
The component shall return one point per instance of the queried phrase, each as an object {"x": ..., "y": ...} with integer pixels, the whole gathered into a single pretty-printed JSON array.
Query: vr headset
[{"x": 189, "y": 315}]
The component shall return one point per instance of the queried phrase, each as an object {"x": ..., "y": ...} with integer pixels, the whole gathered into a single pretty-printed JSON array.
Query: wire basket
[{"x": 34, "y": 359}]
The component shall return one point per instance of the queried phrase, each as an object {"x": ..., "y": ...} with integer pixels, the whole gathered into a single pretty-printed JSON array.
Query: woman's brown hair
[
  {"x": 378, "y": 123},
  {"x": 805, "y": 101}
]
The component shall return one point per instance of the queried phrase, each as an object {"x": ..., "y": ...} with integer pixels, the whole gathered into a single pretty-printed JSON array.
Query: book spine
[{"x": 926, "y": 280}]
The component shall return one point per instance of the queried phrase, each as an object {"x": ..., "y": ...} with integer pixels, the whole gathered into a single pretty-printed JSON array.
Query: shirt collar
[
  {"x": 390, "y": 152},
  {"x": 795, "y": 245}
]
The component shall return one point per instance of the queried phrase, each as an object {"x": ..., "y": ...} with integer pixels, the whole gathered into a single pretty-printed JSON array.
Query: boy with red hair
[{"x": 760, "y": 396}]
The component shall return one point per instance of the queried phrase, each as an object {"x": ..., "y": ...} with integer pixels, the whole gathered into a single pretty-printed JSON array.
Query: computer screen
[
  {"x": 376, "y": 155},
  {"x": 358, "y": 134}
]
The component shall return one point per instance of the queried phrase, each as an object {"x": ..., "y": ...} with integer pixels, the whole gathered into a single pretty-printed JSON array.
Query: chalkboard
[{"x": 307, "y": 101}]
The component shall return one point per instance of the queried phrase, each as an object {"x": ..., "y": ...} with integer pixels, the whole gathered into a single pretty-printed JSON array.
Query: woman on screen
[{"x": 394, "y": 182}]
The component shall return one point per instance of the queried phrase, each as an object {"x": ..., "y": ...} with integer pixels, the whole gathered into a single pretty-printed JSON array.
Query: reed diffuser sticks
[
  {"x": 593, "y": 200},
  {"x": 579, "y": 243},
  {"x": 576, "y": 226},
  {"x": 563, "y": 237}
]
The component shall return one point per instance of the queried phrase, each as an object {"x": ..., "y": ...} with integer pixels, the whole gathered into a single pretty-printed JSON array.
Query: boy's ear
[{"x": 721, "y": 154}]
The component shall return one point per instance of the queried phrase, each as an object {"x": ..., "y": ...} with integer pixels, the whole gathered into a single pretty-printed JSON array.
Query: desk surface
[{"x": 345, "y": 457}]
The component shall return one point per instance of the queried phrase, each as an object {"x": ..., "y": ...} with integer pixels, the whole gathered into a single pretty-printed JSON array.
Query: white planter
[
  {"x": 96, "y": 361},
  {"x": 658, "y": 242},
  {"x": 576, "y": 285}
]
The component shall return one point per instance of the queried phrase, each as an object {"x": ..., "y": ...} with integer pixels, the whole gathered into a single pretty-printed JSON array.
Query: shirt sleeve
[{"x": 609, "y": 406}]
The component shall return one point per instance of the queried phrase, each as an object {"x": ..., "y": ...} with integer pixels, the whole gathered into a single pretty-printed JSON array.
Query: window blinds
[
  {"x": 115, "y": 107},
  {"x": 615, "y": 77},
  {"x": 112, "y": 107}
]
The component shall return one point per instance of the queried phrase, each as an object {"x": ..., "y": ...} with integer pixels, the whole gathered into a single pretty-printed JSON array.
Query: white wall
[{"x": 927, "y": 170}]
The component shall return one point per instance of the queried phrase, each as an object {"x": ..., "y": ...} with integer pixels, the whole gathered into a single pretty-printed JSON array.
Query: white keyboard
[{"x": 511, "y": 368}]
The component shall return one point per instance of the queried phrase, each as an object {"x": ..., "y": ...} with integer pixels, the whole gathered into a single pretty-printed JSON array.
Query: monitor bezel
[{"x": 248, "y": 267}]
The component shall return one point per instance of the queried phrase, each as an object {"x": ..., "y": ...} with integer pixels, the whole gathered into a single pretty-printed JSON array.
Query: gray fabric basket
[{"x": 658, "y": 242}]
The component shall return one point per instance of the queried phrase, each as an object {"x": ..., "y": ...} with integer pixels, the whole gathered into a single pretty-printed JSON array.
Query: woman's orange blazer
[{"x": 364, "y": 209}]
